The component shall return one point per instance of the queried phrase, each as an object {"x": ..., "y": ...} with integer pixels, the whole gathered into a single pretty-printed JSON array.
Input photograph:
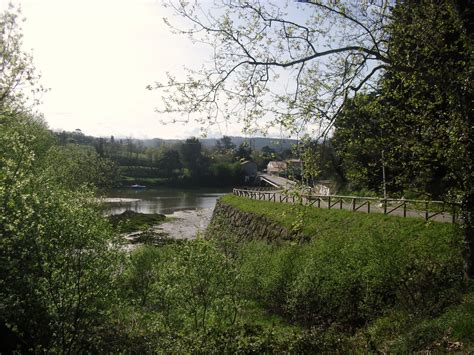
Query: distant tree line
[{"x": 185, "y": 163}]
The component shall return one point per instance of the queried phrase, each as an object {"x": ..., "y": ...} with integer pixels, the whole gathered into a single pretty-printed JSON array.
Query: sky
[{"x": 98, "y": 56}]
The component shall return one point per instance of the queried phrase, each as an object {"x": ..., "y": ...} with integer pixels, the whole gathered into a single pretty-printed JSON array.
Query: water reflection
[{"x": 164, "y": 200}]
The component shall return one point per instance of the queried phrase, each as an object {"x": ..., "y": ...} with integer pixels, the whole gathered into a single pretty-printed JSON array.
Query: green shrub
[
  {"x": 142, "y": 270},
  {"x": 400, "y": 332},
  {"x": 356, "y": 266},
  {"x": 355, "y": 278},
  {"x": 267, "y": 272},
  {"x": 57, "y": 254},
  {"x": 187, "y": 286}
]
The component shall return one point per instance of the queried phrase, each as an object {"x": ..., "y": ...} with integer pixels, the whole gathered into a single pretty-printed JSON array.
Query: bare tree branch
[{"x": 334, "y": 50}]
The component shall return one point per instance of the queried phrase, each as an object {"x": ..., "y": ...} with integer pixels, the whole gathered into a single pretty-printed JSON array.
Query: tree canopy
[
  {"x": 295, "y": 65},
  {"x": 301, "y": 66},
  {"x": 19, "y": 86}
]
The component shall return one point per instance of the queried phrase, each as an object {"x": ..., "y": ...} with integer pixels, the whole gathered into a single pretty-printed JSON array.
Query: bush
[
  {"x": 399, "y": 332},
  {"x": 355, "y": 268},
  {"x": 187, "y": 286},
  {"x": 267, "y": 272},
  {"x": 57, "y": 255},
  {"x": 356, "y": 278}
]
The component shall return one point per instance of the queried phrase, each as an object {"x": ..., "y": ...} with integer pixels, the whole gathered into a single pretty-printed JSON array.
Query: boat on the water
[{"x": 136, "y": 186}]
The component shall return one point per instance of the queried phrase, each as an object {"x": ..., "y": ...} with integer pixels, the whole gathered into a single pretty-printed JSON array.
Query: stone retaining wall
[{"x": 230, "y": 222}]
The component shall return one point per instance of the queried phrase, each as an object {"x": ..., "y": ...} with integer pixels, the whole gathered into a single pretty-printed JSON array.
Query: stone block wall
[{"x": 230, "y": 222}]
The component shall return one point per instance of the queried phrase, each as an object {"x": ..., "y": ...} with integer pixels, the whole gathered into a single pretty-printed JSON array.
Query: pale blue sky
[{"x": 97, "y": 56}]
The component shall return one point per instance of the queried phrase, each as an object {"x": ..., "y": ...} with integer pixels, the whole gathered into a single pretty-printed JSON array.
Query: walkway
[{"x": 428, "y": 210}]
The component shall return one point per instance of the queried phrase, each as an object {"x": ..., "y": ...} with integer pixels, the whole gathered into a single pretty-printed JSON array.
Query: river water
[{"x": 162, "y": 200}]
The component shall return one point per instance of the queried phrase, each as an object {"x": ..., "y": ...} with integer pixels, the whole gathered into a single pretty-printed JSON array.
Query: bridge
[{"x": 277, "y": 181}]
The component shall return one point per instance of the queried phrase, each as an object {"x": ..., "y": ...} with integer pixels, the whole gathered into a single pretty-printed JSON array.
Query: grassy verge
[{"x": 319, "y": 222}]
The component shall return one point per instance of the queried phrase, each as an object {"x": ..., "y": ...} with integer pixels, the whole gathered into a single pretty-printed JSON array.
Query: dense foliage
[
  {"x": 56, "y": 253},
  {"x": 417, "y": 123},
  {"x": 362, "y": 282},
  {"x": 187, "y": 163},
  {"x": 342, "y": 291}
]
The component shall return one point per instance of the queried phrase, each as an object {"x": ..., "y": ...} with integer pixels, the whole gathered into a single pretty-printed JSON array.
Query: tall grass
[{"x": 355, "y": 267}]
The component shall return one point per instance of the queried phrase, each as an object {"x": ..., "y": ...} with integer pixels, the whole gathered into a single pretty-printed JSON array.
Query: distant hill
[{"x": 257, "y": 143}]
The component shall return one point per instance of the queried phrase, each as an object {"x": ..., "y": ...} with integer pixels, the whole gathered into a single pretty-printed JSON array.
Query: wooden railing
[{"x": 439, "y": 210}]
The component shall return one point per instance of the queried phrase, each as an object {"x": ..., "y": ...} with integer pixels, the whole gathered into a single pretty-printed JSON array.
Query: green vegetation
[
  {"x": 398, "y": 331},
  {"x": 357, "y": 265},
  {"x": 130, "y": 221},
  {"x": 362, "y": 283},
  {"x": 333, "y": 223},
  {"x": 57, "y": 255},
  {"x": 383, "y": 285},
  {"x": 397, "y": 95},
  {"x": 181, "y": 163}
]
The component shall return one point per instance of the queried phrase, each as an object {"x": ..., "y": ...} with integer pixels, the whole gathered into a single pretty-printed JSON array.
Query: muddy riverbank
[{"x": 185, "y": 224}]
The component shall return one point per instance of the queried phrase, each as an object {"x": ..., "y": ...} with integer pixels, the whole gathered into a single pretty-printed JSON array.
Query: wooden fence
[{"x": 438, "y": 210}]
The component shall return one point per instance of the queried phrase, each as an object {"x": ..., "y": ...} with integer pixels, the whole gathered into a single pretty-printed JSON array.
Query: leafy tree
[
  {"x": 169, "y": 162},
  {"x": 191, "y": 150},
  {"x": 244, "y": 151},
  {"x": 268, "y": 151},
  {"x": 193, "y": 159},
  {"x": 319, "y": 51},
  {"x": 360, "y": 140},
  {"x": 319, "y": 162},
  {"x": 73, "y": 166},
  {"x": 427, "y": 96},
  {"x": 56, "y": 257},
  {"x": 225, "y": 174},
  {"x": 17, "y": 72},
  {"x": 261, "y": 158},
  {"x": 225, "y": 144}
]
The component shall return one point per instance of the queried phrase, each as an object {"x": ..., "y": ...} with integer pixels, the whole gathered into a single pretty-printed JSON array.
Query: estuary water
[{"x": 162, "y": 200}]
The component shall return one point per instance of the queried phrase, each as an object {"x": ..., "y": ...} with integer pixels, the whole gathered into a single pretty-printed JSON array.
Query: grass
[
  {"x": 319, "y": 222},
  {"x": 364, "y": 283},
  {"x": 452, "y": 330},
  {"x": 394, "y": 284}
]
